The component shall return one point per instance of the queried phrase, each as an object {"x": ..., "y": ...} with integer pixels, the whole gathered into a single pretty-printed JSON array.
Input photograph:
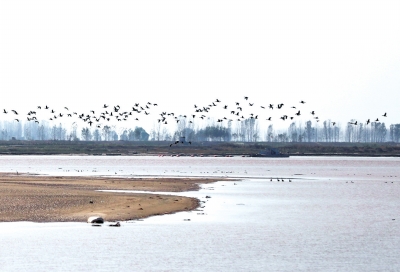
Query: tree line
[{"x": 247, "y": 130}]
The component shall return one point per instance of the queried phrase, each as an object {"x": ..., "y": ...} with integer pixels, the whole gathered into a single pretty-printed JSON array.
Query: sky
[{"x": 341, "y": 57}]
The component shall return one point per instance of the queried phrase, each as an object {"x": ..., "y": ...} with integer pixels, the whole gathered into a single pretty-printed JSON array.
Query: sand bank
[{"x": 74, "y": 199}]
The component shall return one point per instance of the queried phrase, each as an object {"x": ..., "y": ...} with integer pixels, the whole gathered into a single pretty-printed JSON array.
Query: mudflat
[{"x": 74, "y": 199}]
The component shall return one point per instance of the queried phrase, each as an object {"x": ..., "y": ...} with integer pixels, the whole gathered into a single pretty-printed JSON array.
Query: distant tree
[
  {"x": 97, "y": 135},
  {"x": 73, "y": 135},
  {"x": 124, "y": 135},
  {"x": 270, "y": 133},
  {"x": 138, "y": 134},
  {"x": 42, "y": 132},
  {"x": 54, "y": 133},
  {"x": 165, "y": 135},
  {"x": 4, "y": 134},
  {"x": 106, "y": 131},
  {"x": 86, "y": 134},
  {"x": 395, "y": 133},
  {"x": 293, "y": 132},
  {"x": 114, "y": 135},
  {"x": 350, "y": 131},
  {"x": 309, "y": 131}
]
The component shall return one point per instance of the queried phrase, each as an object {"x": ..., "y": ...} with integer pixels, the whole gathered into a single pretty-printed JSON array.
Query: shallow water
[
  {"x": 336, "y": 216},
  {"x": 301, "y": 167}
]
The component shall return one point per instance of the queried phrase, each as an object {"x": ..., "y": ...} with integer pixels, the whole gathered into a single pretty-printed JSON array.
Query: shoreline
[
  {"x": 197, "y": 148},
  {"x": 35, "y": 198},
  {"x": 224, "y": 155}
]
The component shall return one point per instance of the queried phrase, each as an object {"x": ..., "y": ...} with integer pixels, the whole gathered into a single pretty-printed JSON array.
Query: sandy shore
[{"x": 74, "y": 199}]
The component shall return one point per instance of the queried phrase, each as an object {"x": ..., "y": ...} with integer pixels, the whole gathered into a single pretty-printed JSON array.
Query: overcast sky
[{"x": 341, "y": 57}]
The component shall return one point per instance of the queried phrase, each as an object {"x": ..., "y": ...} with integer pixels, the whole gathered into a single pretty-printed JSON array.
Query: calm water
[{"x": 336, "y": 215}]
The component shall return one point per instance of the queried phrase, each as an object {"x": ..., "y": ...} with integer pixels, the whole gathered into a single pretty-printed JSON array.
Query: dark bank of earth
[{"x": 132, "y": 148}]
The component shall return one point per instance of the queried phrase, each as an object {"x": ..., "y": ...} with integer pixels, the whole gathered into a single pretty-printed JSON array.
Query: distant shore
[
  {"x": 222, "y": 149},
  {"x": 74, "y": 199}
]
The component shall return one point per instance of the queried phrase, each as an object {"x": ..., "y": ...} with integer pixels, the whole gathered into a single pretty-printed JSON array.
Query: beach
[{"x": 73, "y": 199}]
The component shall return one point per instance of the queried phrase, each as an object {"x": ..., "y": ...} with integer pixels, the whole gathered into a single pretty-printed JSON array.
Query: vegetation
[
  {"x": 247, "y": 130},
  {"x": 206, "y": 148}
]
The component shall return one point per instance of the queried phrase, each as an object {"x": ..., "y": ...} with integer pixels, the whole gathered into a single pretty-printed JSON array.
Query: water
[
  {"x": 336, "y": 215},
  {"x": 303, "y": 167}
]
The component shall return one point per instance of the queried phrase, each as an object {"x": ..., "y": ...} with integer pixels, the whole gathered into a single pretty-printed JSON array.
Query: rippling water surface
[{"x": 336, "y": 214}]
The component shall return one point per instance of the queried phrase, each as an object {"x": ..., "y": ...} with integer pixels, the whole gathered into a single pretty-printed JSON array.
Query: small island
[{"x": 74, "y": 199}]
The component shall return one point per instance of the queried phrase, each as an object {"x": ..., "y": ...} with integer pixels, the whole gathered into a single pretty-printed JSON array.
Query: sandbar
[{"x": 73, "y": 199}]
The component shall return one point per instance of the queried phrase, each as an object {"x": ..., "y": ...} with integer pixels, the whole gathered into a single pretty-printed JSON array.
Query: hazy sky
[{"x": 341, "y": 57}]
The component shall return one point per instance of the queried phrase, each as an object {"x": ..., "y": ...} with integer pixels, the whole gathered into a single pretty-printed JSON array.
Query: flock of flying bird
[{"x": 236, "y": 112}]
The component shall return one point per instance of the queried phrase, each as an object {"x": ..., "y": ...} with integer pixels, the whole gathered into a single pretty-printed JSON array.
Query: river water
[{"x": 336, "y": 214}]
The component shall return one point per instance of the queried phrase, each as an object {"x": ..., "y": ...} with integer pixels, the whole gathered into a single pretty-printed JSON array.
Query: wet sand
[{"x": 74, "y": 199}]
